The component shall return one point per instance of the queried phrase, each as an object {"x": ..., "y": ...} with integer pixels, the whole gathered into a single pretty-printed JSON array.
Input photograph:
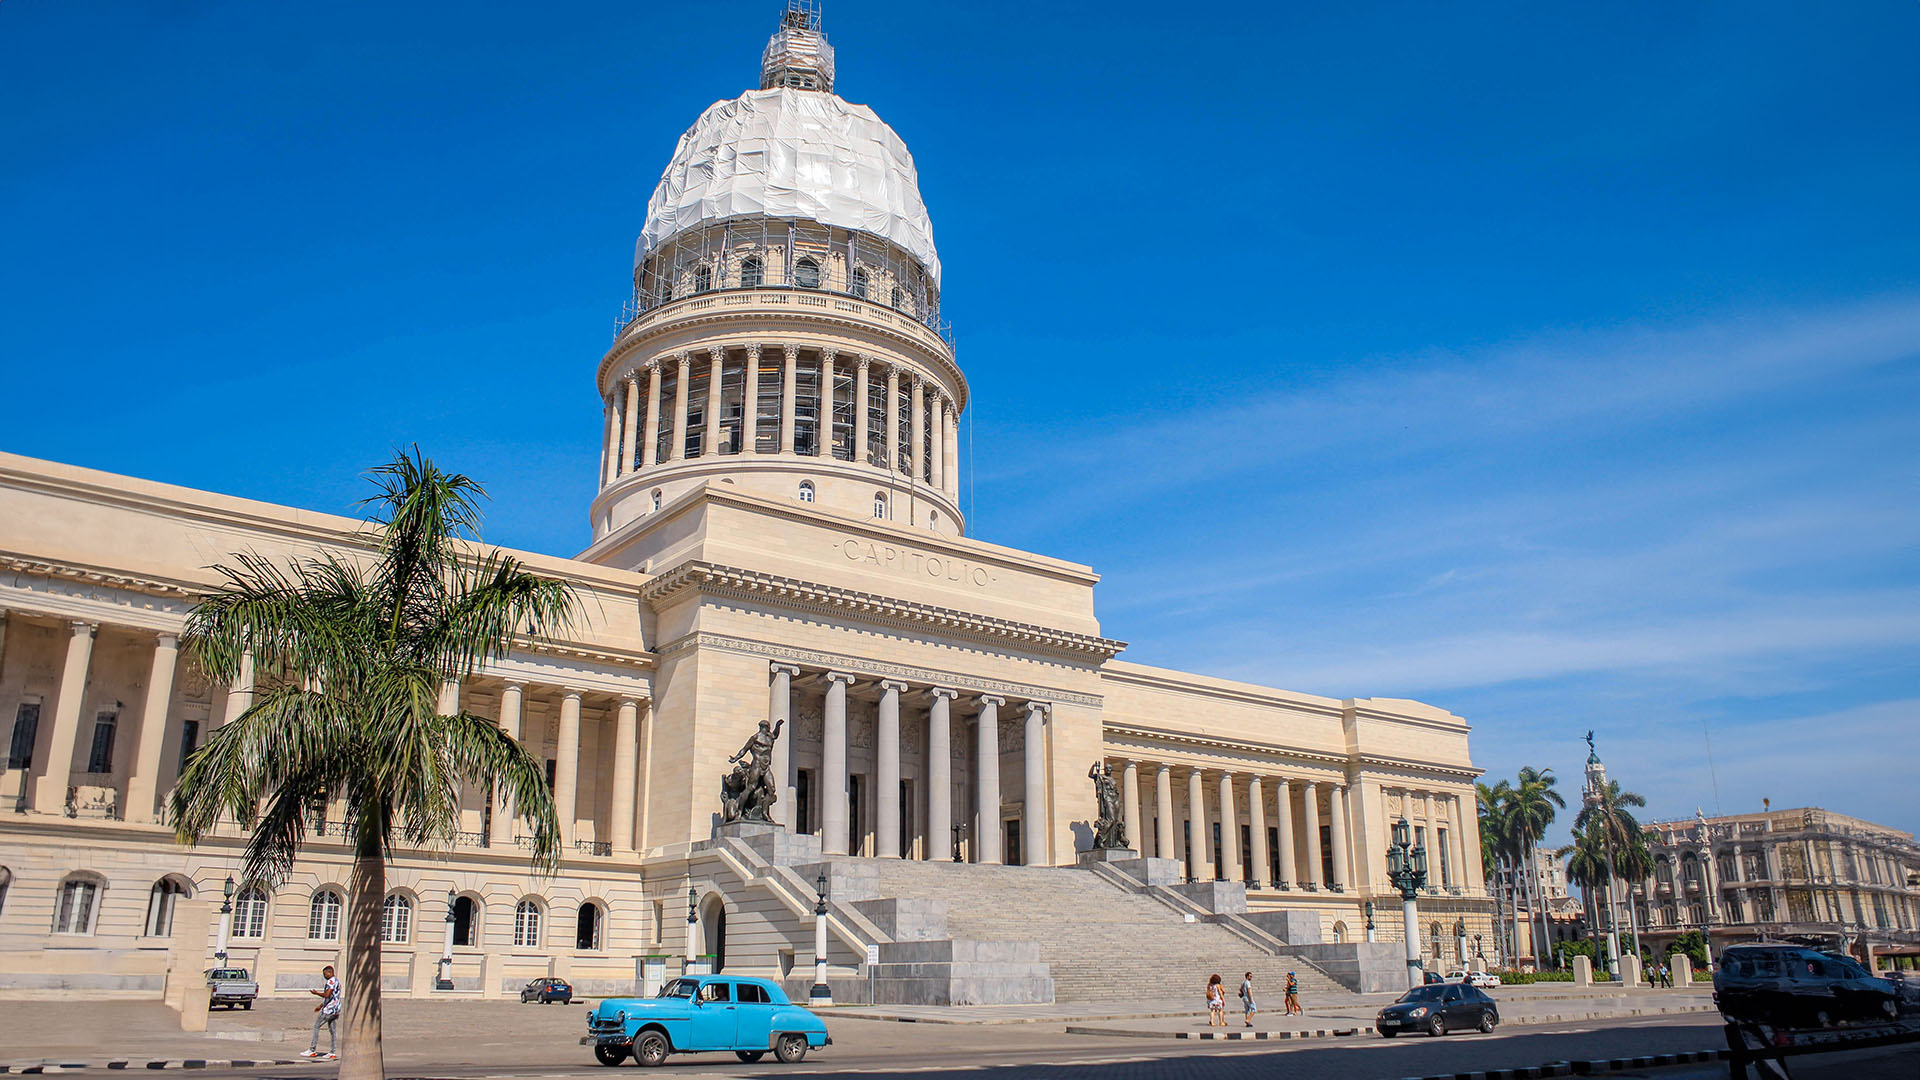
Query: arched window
[
  {"x": 466, "y": 920},
  {"x": 160, "y": 903},
  {"x": 880, "y": 505},
  {"x": 806, "y": 272},
  {"x": 526, "y": 924},
  {"x": 806, "y": 491},
  {"x": 6, "y": 882},
  {"x": 750, "y": 274},
  {"x": 79, "y": 902},
  {"x": 323, "y": 916},
  {"x": 250, "y": 913},
  {"x": 586, "y": 933},
  {"x": 859, "y": 285},
  {"x": 656, "y": 498},
  {"x": 396, "y": 919},
  {"x": 702, "y": 279},
  {"x": 1339, "y": 933},
  {"x": 893, "y": 298}
]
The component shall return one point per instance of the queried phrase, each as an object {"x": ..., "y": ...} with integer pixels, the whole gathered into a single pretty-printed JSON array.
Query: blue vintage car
[{"x": 703, "y": 1014}]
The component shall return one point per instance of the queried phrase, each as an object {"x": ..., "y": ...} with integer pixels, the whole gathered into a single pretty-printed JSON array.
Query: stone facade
[{"x": 777, "y": 534}]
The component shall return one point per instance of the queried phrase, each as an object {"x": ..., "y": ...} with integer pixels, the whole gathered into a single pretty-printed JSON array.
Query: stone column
[
  {"x": 892, "y": 418},
  {"x": 1460, "y": 875},
  {"x": 823, "y": 407},
  {"x": 240, "y": 694},
  {"x": 833, "y": 767},
  {"x": 650, "y": 445},
  {"x": 566, "y": 767},
  {"x": 449, "y": 703},
  {"x": 860, "y": 391},
  {"x": 919, "y": 428},
  {"x": 1034, "y": 819},
  {"x": 626, "y": 750},
  {"x": 503, "y": 809},
  {"x": 1337, "y": 818},
  {"x": 1283, "y": 811},
  {"x": 789, "y": 395},
  {"x": 886, "y": 780},
  {"x": 950, "y": 442},
  {"x": 153, "y": 728},
  {"x": 609, "y": 440},
  {"x": 716, "y": 399},
  {"x": 1257, "y": 834},
  {"x": 940, "y": 774},
  {"x": 1163, "y": 847},
  {"x": 780, "y": 714},
  {"x": 1201, "y": 853},
  {"x": 986, "y": 769},
  {"x": 750, "y": 403},
  {"x": 683, "y": 385},
  {"x": 630, "y": 431},
  {"x": 1310, "y": 806},
  {"x": 1130, "y": 803},
  {"x": 50, "y": 792},
  {"x": 1229, "y": 831}
]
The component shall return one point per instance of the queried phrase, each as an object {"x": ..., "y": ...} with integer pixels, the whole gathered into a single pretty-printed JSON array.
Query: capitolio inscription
[{"x": 913, "y": 562}]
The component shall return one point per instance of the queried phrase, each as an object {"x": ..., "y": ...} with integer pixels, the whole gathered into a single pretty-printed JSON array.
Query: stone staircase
[{"x": 1102, "y": 942}]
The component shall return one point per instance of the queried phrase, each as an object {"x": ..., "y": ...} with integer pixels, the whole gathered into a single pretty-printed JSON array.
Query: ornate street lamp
[
  {"x": 821, "y": 994},
  {"x": 226, "y": 919},
  {"x": 1369, "y": 910},
  {"x": 1407, "y": 869},
  {"x": 959, "y": 833},
  {"x": 1477, "y": 951},
  {"x": 445, "y": 981}
]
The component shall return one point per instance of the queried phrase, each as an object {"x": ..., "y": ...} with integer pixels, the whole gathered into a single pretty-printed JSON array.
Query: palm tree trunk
[
  {"x": 1544, "y": 948},
  {"x": 1499, "y": 910},
  {"x": 1514, "y": 884},
  {"x": 360, "y": 1012}
]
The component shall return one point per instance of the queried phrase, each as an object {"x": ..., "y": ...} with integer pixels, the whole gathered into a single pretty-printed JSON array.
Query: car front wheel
[
  {"x": 649, "y": 1048},
  {"x": 749, "y": 1056},
  {"x": 609, "y": 1053},
  {"x": 1487, "y": 1022},
  {"x": 791, "y": 1048},
  {"x": 1436, "y": 1026}
]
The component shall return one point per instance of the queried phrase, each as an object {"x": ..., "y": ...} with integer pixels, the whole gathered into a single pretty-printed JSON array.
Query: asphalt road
[{"x": 1032, "y": 1052}]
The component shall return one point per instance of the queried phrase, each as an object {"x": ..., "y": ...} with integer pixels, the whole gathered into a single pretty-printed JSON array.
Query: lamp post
[
  {"x": 1460, "y": 940},
  {"x": 821, "y": 994},
  {"x": 693, "y": 919},
  {"x": 1369, "y": 910},
  {"x": 226, "y": 919},
  {"x": 1478, "y": 952},
  {"x": 959, "y": 833},
  {"x": 1407, "y": 869},
  {"x": 445, "y": 981}
]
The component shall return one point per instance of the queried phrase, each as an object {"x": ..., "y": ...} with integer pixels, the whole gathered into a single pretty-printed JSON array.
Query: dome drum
[{"x": 776, "y": 253}]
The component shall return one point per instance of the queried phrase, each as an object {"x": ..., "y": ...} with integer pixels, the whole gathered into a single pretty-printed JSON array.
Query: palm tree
[
  {"x": 1533, "y": 805},
  {"x": 1586, "y": 860},
  {"x": 1492, "y": 806},
  {"x": 350, "y": 655},
  {"x": 1610, "y": 821}
]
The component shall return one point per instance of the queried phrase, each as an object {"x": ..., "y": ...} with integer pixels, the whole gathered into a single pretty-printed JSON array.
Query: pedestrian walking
[
  {"x": 1216, "y": 1003},
  {"x": 1293, "y": 996},
  {"x": 327, "y": 1013},
  {"x": 1246, "y": 997},
  {"x": 1666, "y": 977}
]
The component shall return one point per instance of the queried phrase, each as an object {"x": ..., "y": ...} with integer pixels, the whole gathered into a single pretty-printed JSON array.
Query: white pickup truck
[{"x": 231, "y": 986}]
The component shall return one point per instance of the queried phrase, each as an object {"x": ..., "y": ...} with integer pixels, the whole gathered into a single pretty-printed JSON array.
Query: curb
[
  {"x": 120, "y": 1063},
  {"x": 1586, "y": 1068},
  {"x": 1363, "y": 1029}
]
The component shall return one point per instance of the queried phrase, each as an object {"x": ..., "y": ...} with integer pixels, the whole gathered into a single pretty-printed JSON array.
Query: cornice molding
[
  {"x": 1151, "y": 737},
  {"x": 876, "y": 670},
  {"x": 733, "y": 582},
  {"x": 171, "y": 589}
]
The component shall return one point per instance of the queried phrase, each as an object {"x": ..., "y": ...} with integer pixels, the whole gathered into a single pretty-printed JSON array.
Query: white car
[{"x": 1478, "y": 979}]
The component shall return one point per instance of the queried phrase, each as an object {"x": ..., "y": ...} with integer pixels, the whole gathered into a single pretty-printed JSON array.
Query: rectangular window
[
  {"x": 100, "y": 757},
  {"x": 551, "y": 766},
  {"x": 803, "y": 802},
  {"x": 906, "y": 819},
  {"x": 904, "y": 426},
  {"x": 1273, "y": 854},
  {"x": 696, "y": 411},
  {"x": 1246, "y": 856},
  {"x": 732, "y": 392},
  {"x": 1446, "y": 860},
  {"x": 856, "y": 826},
  {"x": 876, "y": 416},
  {"x": 663, "y": 434},
  {"x": 189, "y": 740},
  {"x": 1326, "y": 854},
  {"x": 843, "y": 387},
  {"x": 767, "y": 387},
  {"x": 26, "y": 728},
  {"x": 1219, "y": 855},
  {"x": 806, "y": 408},
  {"x": 1012, "y": 828}
]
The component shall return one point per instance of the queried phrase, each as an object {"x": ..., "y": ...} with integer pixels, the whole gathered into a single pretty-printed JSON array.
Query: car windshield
[
  {"x": 679, "y": 988},
  {"x": 1422, "y": 993},
  {"x": 230, "y": 973}
]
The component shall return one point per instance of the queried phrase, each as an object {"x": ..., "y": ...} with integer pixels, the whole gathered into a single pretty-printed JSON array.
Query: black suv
[{"x": 1788, "y": 986}]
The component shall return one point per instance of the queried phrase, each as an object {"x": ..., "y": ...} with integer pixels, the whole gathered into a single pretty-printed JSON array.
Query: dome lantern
[{"x": 798, "y": 56}]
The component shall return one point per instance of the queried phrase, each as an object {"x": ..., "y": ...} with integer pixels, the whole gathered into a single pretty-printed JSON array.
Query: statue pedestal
[
  {"x": 747, "y": 829},
  {"x": 1106, "y": 855},
  {"x": 1147, "y": 871},
  {"x": 772, "y": 842}
]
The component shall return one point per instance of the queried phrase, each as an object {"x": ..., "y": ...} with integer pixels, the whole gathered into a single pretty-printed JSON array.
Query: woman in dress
[{"x": 1216, "y": 1003}]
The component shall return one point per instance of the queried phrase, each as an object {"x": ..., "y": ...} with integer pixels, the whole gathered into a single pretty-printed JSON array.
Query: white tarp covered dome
[{"x": 792, "y": 153}]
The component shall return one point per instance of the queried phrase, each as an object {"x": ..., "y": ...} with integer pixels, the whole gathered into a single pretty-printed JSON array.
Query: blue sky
[{"x": 1558, "y": 365}]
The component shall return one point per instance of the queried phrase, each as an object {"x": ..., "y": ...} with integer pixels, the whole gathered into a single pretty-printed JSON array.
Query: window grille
[
  {"x": 526, "y": 924},
  {"x": 74, "y": 915},
  {"x": 858, "y": 287}
]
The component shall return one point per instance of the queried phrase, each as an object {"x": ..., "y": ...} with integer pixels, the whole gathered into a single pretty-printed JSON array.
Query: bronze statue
[
  {"x": 749, "y": 792},
  {"x": 1109, "y": 829}
]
